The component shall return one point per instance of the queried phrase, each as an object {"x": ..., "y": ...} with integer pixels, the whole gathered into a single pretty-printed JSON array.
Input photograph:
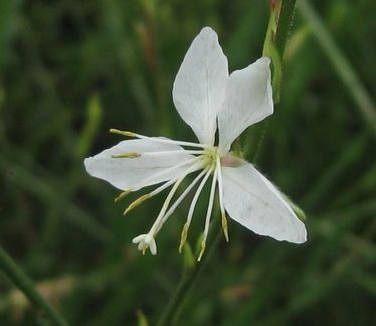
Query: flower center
[
  {"x": 206, "y": 160},
  {"x": 210, "y": 157}
]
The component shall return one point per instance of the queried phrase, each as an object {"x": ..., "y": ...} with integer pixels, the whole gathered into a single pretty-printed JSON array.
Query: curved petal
[
  {"x": 135, "y": 173},
  {"x": 199, "y": 86},
  {"x": 248, "y": 100},
  {"x": 253, "y": 201}
]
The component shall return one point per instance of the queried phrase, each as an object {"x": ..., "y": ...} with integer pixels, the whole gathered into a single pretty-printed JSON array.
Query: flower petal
[
  {"x": 252, "y": 200},
  {"x": 138, "y": 172},
  {"x": 248, "y": 100},
  {"x": 199, "y": 86}
]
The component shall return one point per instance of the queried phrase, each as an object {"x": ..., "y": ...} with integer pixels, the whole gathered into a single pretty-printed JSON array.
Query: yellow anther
[
  {"x": 203, "y": 245},
  {"x": 122, "y": 195},
  {"x": 127, "y": 155},
  {"x": 224, "y": 226},
  {"x": 123, "y": 133},
  {"x": 183, "y": 237},
  {"x": 137, "y": 202}
]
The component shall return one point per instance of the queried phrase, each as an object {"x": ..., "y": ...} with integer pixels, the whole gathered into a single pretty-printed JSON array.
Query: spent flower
[{"x": 210, "y": 101}]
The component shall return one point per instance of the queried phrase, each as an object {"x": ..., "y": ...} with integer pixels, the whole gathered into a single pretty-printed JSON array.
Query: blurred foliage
[{"x": 71, "y": 70}]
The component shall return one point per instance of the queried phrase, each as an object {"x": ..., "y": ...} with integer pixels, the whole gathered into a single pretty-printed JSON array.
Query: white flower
[{"x": 208, "y": 99}]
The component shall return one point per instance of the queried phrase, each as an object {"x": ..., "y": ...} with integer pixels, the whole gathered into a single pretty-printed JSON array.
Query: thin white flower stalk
[{"x": 209, "y": 100}]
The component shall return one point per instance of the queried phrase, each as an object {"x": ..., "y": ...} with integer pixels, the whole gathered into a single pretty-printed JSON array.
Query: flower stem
[
  {"x": 25, "y": 284},
  {"x": 171, "y": 314},
  {"x": 341, "y": 65},
  {"x": 285, "y": 20},
  {"x": 280, "y": 20}
]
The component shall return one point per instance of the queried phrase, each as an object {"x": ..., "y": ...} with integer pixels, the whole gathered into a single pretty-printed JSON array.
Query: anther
[
  {"x": 123, "y": 133},
  {"x": 122, "y": 195},
  {"x": 126, "y": 155},
  {"x": 203, "y": 245},
  {"x": 136, "y": 203},
  {"x": 224, "y": 226},
  {"x": 183, "y": 237}
]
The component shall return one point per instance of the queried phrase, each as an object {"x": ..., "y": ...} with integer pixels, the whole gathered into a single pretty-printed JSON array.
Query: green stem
[
  {"x": 280, "y": 21},
  {"x": 25, "y": 284},
  {"x": 340, "y": 64},
  {"x": 285, "y": 20},
  {"x": 171, "y": 314}
]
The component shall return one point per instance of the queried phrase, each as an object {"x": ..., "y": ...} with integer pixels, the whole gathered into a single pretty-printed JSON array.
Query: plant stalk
[{"x": 25, "y": 284}]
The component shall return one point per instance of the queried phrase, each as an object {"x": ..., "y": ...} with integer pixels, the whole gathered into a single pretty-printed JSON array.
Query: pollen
[
  {"x": 122, "y": 195},
  {"x": 224, "y": 226},
  {"x": 202, "y": 250},
  {"x": 127, "y": 155},
  {"x": 123, "y": 133},
  {"x": 210, "y": 157},
  {"x": 183, "y": 237},
  {"x": 136, "y": 203}
]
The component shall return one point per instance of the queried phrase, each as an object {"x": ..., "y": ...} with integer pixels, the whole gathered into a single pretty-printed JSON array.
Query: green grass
[{"x": 71, "y": 70}]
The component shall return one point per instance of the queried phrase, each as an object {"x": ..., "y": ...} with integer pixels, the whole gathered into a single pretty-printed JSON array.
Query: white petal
[
  {"x": 135, "y": 173},
  {"x": 248, "y": 100},
  {"x": 199, "y": 86},
  {"x": 252, "y": 200}
]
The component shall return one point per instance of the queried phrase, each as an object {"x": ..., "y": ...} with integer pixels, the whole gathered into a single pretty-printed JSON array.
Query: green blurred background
[{"x": 71, "y": 70}]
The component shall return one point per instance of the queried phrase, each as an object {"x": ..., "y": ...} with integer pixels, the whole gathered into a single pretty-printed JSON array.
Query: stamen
[
  {"x": 159, "y": 139},
  {"x": 183, "y": 236},
  {"x": 160, "y": 218},
  {"x": 159, "y": 153},
  {"x": 141, "y": 199},
  {"x": 220, "y": 196},
  {"x": 168, "y": 171},
  {"x": 181, "y": 198},
  {"x": 122, "y": 195},
  {"x": 137, "y": 202},
  {"x": 127, "y": 155},
  {"x": 179, "y": 151},
  {"x": 157, "y": 224},
  {"x": 208, "y": 213},
  {"x": 197, "y": 194},
  {"x": 123, "y": 133},
  {"x": 224, "y": 227},
  {"x": 203, "y": 246}
]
